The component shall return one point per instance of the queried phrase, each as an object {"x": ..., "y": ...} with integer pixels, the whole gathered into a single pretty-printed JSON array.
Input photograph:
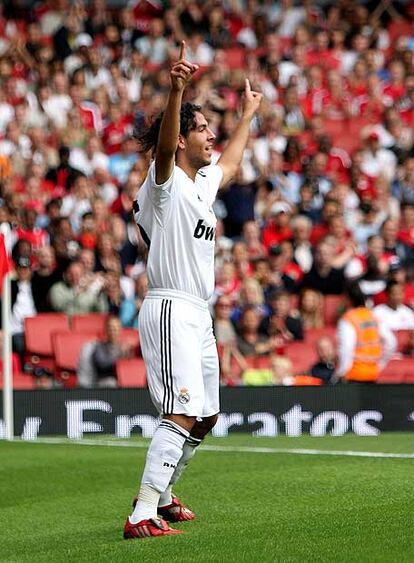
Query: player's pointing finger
[
  {"x": 247, "y": 85},
  {"x": 182, "y": 51}
]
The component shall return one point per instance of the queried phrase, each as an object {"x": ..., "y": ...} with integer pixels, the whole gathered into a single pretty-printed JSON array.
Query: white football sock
[
  {"x": 188, "y": 452},
  {"x": 163, "y": 455}
]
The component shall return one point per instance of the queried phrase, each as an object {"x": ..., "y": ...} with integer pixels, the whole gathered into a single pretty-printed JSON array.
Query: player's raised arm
[
  {"x": 232, "y": 155},
  {"x": 181, "y": 73}
]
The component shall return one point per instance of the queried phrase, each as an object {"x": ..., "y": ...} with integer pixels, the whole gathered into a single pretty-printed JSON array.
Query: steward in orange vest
[
  {"x": 363, "y": 346},
  {"x": 368, "y": 348}
]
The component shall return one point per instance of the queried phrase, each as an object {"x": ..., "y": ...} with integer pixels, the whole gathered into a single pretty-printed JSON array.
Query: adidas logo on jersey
[{"x": 204, "y": 231}]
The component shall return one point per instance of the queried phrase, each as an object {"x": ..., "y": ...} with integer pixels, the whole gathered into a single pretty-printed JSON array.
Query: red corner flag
[{"x": 4, "y": 262}]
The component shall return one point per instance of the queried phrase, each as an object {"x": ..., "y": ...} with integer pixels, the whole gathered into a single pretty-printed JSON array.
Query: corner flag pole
[
  {"x": 7, "y": 360},
  {"x": 5, "y": 288}
]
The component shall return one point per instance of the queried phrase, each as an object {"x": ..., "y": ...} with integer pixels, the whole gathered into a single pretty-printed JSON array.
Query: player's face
[{"x": 200, "y": 143}]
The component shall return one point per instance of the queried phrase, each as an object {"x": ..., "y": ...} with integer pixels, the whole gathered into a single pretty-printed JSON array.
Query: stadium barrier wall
[{"x": 259, "y": 411}]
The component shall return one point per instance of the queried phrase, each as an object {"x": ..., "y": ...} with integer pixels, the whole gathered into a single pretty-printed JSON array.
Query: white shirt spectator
[
  {"x": 289, "y": 21},
  {"x": 24, "y": 307},
  {"x": 6, "y": 115},
  {"x": 94, "y": 80},
  {"x": 401, "y": 318},
  {"x": 154, "y": 51},
  {"x": 57, "y": 107},
  {"x": 80, "y": 160},
  {"x": 382, "y": 163},
  {"x": 263, "y": 145}
]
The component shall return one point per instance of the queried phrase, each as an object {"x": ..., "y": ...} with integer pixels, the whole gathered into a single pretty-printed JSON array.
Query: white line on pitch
[{"x": 230, "y": 449}]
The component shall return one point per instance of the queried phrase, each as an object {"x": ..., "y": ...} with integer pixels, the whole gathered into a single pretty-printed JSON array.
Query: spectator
[
  {"x": 286, "y": 274},
  {"x": 122, "y": 162},
  {"x": 29, "y": 231},
  {"x": 311, "y": 309},
  {"x": 226, "y": 338},
  {"x": 76, "y": 294},
  {"x": 393, "y": 246},
  {"x": 377, "y": 161},
  {"x": 282, "y": 370},
  {"x": 284, "y": 322},
  {"x": 239, "y": 199},
  {"x": 277, "y": 229},
  {"x": 322, "y": 276},
  {"x": 63, "y": 175},
  {"x": 403, "y": 184},
  {"x": 91, "y": 158},
  {"x": 251, "y": 295},
  {"x": 22, "y": 305},
  {"x": 364, "y": 345},
  {"x": 394, "y": 314},
  {"x": 44, "y": 277},
  {"x": 97, "y": 361},
  {"x": 251, "y": 237},
  {"x": 250, "y": 342},
  {"x": 153, "y": 46},
  {"x": 130, "y": 308},
  {"x": 324, "y": 368},
  {"x": 301, "y": 229},
  {"x": 106, "y": 256}
]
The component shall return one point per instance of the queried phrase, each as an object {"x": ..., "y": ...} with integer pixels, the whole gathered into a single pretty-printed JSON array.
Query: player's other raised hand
[
  {"x": 251, "y": 100},
  {"x": 182, "y": 71}
]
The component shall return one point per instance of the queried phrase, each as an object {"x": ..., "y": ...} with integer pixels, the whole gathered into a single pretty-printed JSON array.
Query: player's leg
[
  {"x": 203, "y": 425},
  {"x": 171, "y": 372},
  {"x": 163, "y": 456}
]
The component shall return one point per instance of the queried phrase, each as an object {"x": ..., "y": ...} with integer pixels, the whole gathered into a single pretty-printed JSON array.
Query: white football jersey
[{"x": 178, "y": 224}]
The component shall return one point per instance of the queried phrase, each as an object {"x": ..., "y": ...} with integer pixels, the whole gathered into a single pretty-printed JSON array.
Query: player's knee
[
  {"x": 211, "y": 421},
  {"x": 186, "y": 422},
  {"x": 203, "y": 427}
]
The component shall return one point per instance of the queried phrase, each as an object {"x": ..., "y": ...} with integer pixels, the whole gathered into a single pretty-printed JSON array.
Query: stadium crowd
[{"x": 325, "y": 193}]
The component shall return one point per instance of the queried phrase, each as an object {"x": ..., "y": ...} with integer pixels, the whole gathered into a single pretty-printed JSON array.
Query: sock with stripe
[
  {"x": 164, "y": 454},
  {"x": 189, "y": 450}
]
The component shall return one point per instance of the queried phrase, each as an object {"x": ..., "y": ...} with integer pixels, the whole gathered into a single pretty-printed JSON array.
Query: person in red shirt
[
  {"x": 314, "y": 101},
  {"x": 286, "y": 273},
  {"x": 321, "y": 53},
  {"x": 29, "y": 231},
  {"x": 395, "y": 88},
  {"x": 330, "y": 209},
  {"x": 277, "y": 228},
  {"x": 116, "y": 130}
]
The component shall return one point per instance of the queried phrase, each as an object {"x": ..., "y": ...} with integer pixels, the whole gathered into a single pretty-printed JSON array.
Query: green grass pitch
[{"x": 68, "y": 502}]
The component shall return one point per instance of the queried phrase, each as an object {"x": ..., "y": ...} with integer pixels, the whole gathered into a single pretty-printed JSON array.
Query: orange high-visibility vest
[{"x": 368, "y": 349}]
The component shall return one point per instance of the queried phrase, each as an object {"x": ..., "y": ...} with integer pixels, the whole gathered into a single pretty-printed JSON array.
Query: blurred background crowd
[{"x": 325, "y": 192}]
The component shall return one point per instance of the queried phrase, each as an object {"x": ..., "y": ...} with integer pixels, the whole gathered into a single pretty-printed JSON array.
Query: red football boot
[
  {"x": 148, "y": 528},
  {"x": 174, "y": 512}
]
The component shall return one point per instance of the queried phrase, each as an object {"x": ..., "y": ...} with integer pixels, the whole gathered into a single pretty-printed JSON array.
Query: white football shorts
[{"x": 180, "y": 353}]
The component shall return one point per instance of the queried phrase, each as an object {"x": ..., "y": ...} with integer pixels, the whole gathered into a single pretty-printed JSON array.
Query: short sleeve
[
  {"x": 213, "y": 176},
  {"x": 165, "y": 186}
]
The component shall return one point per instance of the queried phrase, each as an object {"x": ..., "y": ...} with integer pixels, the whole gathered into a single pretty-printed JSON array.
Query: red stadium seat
[
  {"x": 38, "y": 336},
  {"x": 332, "y": 305},
  {"x": 398, "y": 371},
  {"x": 67, "y": 346},
  {"x": 302, "y": 355},
  {"x": 91, "y": 322},
  {"x": 20, "y": 380},
  {"x": 403, "y": 339},
  {"x": 131, "y": 372},
  {"x": 131, "y": 335},
  {"x": 312, "y": 335}
]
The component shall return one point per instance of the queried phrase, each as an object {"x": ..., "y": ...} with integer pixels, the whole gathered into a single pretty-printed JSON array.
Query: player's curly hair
[{"x": 147, "y": 136}]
